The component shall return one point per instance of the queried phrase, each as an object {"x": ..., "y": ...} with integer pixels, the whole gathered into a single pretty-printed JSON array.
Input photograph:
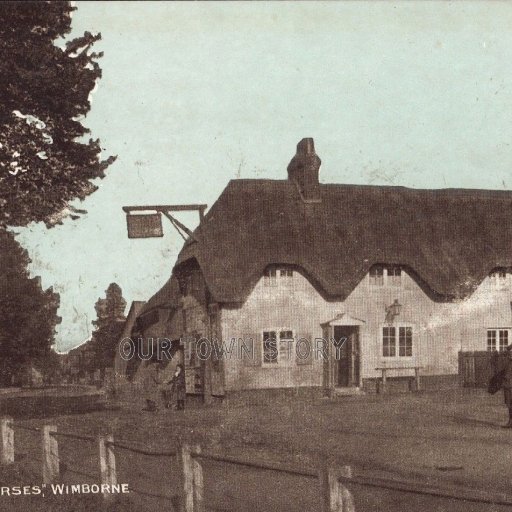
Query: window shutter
[
  {"x": 252, "y": 352},
  {"x": 305, "y": 348}
]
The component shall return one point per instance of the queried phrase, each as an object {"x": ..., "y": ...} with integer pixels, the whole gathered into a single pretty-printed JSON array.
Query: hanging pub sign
[{"x": 144, "y": 225}]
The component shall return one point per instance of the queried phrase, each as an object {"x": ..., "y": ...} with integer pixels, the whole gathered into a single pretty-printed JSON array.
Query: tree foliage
[
  {"x": 28, "y": 314},
  {"x": 44, "y": 95}
]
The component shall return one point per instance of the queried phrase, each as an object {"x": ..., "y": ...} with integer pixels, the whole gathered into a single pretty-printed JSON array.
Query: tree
[
  {"x": 44, "y": 93},
  {"x": 45, "y": 161},
  {"x": 109, "y": 326},
  {"x": 28, "y": 314}
]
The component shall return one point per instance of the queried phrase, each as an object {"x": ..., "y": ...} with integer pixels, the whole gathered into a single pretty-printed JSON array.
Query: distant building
[
  {"x": 77, "y": 363},
  {"x": 388, "y": 276}
]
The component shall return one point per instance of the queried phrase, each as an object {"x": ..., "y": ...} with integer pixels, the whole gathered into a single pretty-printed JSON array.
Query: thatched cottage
[{"x": 388, "y": 277}]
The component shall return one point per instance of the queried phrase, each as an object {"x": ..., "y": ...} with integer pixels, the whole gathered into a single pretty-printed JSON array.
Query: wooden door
[{"x": 346, "y": 351}]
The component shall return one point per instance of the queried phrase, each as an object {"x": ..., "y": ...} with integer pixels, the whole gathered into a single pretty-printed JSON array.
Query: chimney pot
[
  {"x": 306, "y": 146},
  {"x": 304, "y": 168}
]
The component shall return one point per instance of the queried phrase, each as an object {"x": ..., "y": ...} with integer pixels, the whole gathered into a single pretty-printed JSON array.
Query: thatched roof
[
  {"x": 451, "y": 239},
  {"x": 135, "y": 309},
  {"x": 448, "y": 240},
  {"x": 166, "y": 297}
]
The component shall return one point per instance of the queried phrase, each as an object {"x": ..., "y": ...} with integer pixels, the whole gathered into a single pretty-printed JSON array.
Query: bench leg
[{"x": 418, "y": 382}]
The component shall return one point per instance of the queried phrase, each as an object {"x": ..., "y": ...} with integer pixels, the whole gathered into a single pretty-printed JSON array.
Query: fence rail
[
  {"x": 425, "y": 490},
  {"x": 140, "y": 451},
  {"x": 332, "y": 480},
  {"x": 270, "y": 466},
  {"x": 70, "y": 436}
]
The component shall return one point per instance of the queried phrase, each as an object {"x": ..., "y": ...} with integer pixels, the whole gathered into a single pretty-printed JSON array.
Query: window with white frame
[
  {"x": 405, "y": 341},
  {"x": 397, "y": 341},
  {"x": 389, "y": 341},
  {"x": 285, "y": 347},
  {"x": 274, "y": 275},
  {"x": 277, "y": 347},
  {"x": 270, "y": 352},
  {"x": 497, "y": 339}
]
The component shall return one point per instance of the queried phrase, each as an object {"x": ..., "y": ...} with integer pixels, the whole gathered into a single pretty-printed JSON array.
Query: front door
[{"x": 346, "y": 368}]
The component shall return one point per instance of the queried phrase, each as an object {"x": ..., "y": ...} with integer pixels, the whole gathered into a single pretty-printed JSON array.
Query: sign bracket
[{"x": 155, "y": 211}]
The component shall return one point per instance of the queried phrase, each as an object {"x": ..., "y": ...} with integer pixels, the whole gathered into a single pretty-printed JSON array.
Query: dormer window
[
  {"x": 382, "y": 275},
  {"x": 500, "y": 277},
  {"x": 274, "y": 275},
  {"x": 270, "y": 276},
  {"x": 377, "y": 275},
  {"x": 394, "y": 275}
]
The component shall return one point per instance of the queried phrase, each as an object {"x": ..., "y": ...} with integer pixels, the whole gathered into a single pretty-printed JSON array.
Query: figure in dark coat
[
  {"x": 507, "y": 385},
  {"x": 178, "y": 386}
]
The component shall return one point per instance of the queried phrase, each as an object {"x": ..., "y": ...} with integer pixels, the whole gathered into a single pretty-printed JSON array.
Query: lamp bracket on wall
[{"x": 393, "y": 311}]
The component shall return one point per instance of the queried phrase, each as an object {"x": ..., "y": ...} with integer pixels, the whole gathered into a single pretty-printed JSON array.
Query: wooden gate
[{"x": 477, "y": 367}]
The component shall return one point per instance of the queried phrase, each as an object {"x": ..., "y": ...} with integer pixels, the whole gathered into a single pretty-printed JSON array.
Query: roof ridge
[{"x": 450, "y": 237}]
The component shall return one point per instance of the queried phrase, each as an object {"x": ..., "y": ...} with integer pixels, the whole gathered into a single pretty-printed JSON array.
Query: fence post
[
  {"x": 197, "y": 470},
  {"x": 347, "y": 499},
  {"x": 50, "y": 455},
  {"x": 7, "y": 434},
  {"x": 107, "y": 462},
  {"x": 192, "y": 479},
  {"x": 188, "y": 479},
  {"x": 331, "y": 499},
  {"x": 335, "y": 497}
]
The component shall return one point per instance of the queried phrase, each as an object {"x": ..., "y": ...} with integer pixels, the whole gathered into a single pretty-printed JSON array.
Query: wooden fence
[
  {"x": 336, "y": 498},
  {"x": 477, "y": 367},
  {"x": 333, "y": 481}
]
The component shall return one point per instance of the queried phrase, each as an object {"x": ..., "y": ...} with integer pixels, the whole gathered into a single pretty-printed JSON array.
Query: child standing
[{"x": 178, "y": 386}]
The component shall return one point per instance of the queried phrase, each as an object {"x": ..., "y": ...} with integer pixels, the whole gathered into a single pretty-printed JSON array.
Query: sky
[{"x": 194, "y": 94}]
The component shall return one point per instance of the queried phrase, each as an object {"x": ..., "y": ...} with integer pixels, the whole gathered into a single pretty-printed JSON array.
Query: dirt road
[{"x": 449, "y": 439}]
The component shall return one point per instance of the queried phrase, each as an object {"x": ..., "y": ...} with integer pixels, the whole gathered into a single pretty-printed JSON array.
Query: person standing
[
  {"x": 178, "y": 386},
  {"x": 507, "y": 384}
]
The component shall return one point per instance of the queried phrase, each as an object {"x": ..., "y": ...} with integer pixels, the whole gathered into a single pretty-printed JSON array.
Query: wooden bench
[{"x": 385, "y": 369}]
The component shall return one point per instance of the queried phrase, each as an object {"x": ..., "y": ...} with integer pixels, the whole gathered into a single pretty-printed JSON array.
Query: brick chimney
[{"x": 303, "y": 170}]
